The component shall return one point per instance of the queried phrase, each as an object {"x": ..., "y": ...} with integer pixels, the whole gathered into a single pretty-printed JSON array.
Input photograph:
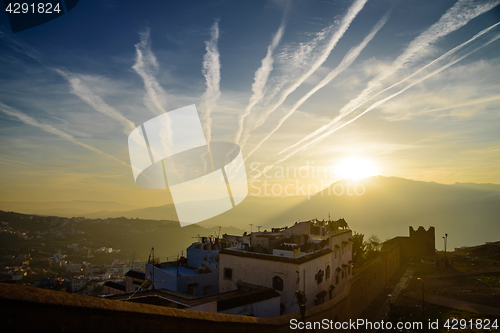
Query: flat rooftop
[
  {"x": 292, "y": 260},
  {"x": 183, "y": 271}
]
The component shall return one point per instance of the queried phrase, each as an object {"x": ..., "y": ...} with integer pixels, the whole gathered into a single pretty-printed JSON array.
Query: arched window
[
  {"x": 327, "y": 273},
  {"x": 277, "y": 283}
]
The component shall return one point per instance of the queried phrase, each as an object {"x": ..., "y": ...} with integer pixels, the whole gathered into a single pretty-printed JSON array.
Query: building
[
  {"x": 134, "y": 280},
  {"x": 420, "y": 242},
  {"x": 114, "y": 288},
  {"x": 313, "y": 256},
  {"x": 75, "y": 285},
  {"x": 197, "y": 274}
]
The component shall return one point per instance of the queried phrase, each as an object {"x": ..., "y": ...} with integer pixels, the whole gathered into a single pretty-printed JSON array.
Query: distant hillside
[
  {"x": 63, "y": 208},
  {"x": 469, "y": 213},
  {"x": 491, "y": 250},
  {"x": 133, "y": 237}
]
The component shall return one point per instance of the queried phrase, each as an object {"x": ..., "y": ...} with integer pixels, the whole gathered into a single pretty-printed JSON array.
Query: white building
[{"x": 313, "y": 256}]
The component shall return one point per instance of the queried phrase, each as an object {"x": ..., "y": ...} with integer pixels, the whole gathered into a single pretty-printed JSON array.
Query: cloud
[
  {"x": 81, "y": 90},
  {"x": 211, "y": 71},
  {"x": 456, "y": 17},
  {"x": 261, "y": 77},
  {"x": 22, "y": 47},
  {"x": 146, "y": 65},
  {"x": 301, "y": 57},
  {"x": 348, "y": 59},
  {"x": 375, "y": 105},
  {"x": 428, "y": 97},
  {"x": 50, "y": 129}
]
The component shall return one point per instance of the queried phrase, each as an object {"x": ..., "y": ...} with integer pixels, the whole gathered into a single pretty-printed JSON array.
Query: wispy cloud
[
  {"x": 300, "y": 58},
  {"x": 146, "y": 66},
  {"x": 373, "y": 106},
  {"x": 348, "y": 59},
  {"x": 261, "y": 77},
  {"x": 22, "y": 47},
  {"x": 456, "y": 17},
  {"x": 474, "y": 102},
  {"x": 79, "y": 89},
  {"x": 211, "y": 71},
  {"x": 50, "y": 129}
]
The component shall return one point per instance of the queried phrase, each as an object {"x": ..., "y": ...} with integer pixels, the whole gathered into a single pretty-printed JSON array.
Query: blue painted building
[{"x": 197, "y": 274}]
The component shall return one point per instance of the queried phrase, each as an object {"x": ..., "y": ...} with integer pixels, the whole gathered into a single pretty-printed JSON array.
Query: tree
[
  {"x": 363, "y": 251},
  {"x": 373, "y": 247},
  {"x": 358, "y": 248}
]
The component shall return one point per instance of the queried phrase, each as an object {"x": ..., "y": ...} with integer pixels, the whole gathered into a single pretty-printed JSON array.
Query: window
[
  {"x": 277, "y": 283},
  {"x": 228, "y": 274},
  {"x": 191, "y": 289},
  {"x": 320, "y": 298},
  {"x": 331, "y": 290},
  {"x": 319, "y": 276},
  {"x": 206, "y": 290},
  {"x": 337, "y": 279},
  {"x": 327, "y": 272}
]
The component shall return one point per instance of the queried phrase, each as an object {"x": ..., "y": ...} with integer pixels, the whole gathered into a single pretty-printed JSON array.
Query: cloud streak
[
  {"x": 261, "y": 77},
  {"x": 348, "y": 59},
  {"x": 344, "y": 25},
  {"x": 211, "y": 71},
  {"x": 146, "y": 65},
  {"x": 50, "y": 129},
  {"x": 456, "y": 17},
  {"x": 81, "y": 90},
  {"x": 374, "y": 105}
]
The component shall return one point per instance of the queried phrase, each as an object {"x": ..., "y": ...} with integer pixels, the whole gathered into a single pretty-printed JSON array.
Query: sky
[{"x": 397, "y": 88}]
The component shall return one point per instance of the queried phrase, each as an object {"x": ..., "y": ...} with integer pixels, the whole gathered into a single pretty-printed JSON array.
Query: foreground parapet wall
[{"x": 29, "y": 309}]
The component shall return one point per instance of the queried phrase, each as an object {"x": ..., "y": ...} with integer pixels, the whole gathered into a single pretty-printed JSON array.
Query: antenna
[{"x": 251, "y": 224}]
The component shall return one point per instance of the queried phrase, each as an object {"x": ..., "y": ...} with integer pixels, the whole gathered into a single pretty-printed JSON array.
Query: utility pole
[
  {"x": 251, "y": 234},
  {"x": 423, "y": 300},
  {"x": 445, "y": 238}
]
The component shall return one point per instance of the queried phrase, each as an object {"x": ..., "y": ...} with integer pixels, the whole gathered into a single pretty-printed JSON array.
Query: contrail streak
[
  {"x": 211, "y": 71},
  {"x": 81, "y": 90},
  {"x": 145, "y": 65},
  {"x": 344, "y": 25},
  {"x": 155, "y": 99},
  {"x": 373, "y": 106},
  {"x": 261, "y": 77},
  {"x": 50, "y": 129},
  {"x": 454, "y": 106},
  {"x": 453, "y": 19},
  {"x": 348, "y": 59}
]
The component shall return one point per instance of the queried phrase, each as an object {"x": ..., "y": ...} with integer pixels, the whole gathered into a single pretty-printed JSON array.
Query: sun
[{"x": 355, "y": 168}]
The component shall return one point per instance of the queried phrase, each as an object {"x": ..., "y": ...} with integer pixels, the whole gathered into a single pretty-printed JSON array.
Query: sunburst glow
[{"x": 356, "y": 167}]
